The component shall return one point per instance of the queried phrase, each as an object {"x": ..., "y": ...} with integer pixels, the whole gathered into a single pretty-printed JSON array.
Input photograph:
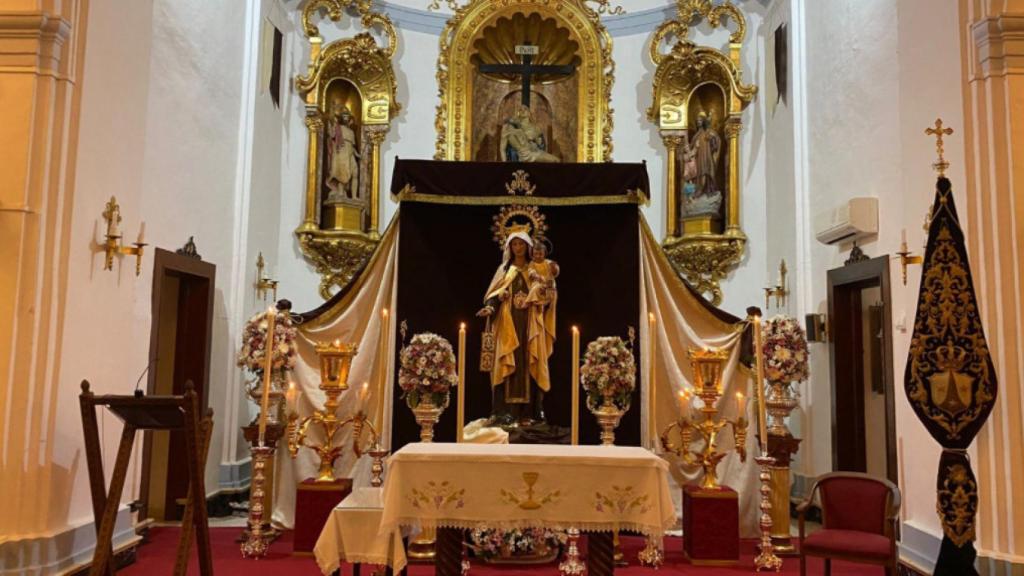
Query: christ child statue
[{"x": 542, "y": 273}]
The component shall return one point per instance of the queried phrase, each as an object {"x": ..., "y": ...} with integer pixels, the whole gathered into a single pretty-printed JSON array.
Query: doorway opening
[
  {"x": 863, "y": 395},
  {"x": 179, "y": 352}
]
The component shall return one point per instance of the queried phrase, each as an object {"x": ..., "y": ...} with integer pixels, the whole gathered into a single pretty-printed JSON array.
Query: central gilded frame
[{"x": 455, "y": 73}]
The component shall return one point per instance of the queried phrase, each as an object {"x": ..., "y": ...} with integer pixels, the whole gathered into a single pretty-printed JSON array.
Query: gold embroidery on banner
[
  {"x": 957, "y": 505},
  {"x": 520, "y": 183},
  {"x": 621, "y": 500},
  {"x": 438, "y": 496},
  {"x": 525, "y": 499},
  {"x": 948, "y": 353}
]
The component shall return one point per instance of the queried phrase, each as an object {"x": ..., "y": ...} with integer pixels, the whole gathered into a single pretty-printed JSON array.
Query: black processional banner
[
  {"x": 950, "y": 380},
  {"x": 448, "y": 254}
]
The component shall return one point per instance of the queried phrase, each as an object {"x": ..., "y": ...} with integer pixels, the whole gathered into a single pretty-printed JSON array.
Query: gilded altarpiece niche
[
  {"x": 699, "y": 98},
  {"x": 492, "y": 51},
  {"x": 350, "y": 94}
]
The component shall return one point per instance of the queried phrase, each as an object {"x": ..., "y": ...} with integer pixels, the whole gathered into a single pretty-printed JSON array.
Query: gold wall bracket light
[
  {"x": 907, "y": 257},
  {"x": 263, "y": 283},
  {"x": 112, "y": 245},
  {"x": 779, "y": 291}
]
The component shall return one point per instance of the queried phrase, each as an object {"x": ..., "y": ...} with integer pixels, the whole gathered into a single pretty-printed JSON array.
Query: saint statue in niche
[
  {"x": 522, "y": 140},
  {"x": 520, "y": 302},
  {"x": 702, "y": 193},
  {"x": 343, "y": 158}
]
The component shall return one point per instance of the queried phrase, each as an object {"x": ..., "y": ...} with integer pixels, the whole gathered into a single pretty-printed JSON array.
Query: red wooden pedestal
[
  {"x": 711, "y": 526},
  {"x": 313, "y": 504}
]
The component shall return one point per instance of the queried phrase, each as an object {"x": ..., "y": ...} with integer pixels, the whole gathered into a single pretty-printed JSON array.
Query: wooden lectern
[{"x": 140, "y": 412}]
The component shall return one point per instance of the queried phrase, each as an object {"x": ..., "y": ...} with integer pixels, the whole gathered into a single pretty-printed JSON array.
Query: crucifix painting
[{"x": 525, "y": 91}]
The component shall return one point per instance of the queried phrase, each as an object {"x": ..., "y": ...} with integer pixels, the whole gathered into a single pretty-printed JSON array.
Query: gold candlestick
[
  {"x": 707, "y": 369},
  {"x": 766, "y": 559},
  {"x": 335, "y": 362}
]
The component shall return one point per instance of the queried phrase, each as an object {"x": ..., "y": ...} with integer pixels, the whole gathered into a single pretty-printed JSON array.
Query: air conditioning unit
[{"x": 851, "y": 221}]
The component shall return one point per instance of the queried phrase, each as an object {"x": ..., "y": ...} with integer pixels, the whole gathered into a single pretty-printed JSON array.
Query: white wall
[{"x": 875, "y": 74}]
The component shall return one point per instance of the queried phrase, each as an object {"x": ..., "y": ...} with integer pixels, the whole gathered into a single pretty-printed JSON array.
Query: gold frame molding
[
  {"x": 700, "y": 255},
  {"x": 597, "y": 73},
  {"x": 339, "y": 255}
]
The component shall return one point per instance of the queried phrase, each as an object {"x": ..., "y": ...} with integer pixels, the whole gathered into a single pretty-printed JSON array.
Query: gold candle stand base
[{"x": 766, "y": 560}]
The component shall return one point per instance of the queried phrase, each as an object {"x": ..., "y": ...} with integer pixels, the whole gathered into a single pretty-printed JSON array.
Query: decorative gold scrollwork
[
  {"x": 339, "y": 232},
  {"x": 697, "y": 86}
]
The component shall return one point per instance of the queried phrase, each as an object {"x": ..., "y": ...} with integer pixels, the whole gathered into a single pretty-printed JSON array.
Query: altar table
[
  {"x": 350, "y": 535},
  {"x": 598, "y": 489}
]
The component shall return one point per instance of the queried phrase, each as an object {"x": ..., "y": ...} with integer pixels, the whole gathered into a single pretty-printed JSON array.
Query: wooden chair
[{"x": 860, "y": 515}]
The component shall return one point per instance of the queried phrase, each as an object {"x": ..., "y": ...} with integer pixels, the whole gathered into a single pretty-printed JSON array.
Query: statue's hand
[{"x": 485, "y": 312}]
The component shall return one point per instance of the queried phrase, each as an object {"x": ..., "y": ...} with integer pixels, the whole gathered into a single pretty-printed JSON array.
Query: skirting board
[
  {"x": 233, "y": 476},
  {"x": 62, "y": 551}
]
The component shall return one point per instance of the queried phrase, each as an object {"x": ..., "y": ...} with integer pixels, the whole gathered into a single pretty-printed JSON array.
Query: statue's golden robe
[{"x": 524, "y": 334}]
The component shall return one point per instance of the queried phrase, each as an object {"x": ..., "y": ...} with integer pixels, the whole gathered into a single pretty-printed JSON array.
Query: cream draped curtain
[{"x": 683, "y": 322}]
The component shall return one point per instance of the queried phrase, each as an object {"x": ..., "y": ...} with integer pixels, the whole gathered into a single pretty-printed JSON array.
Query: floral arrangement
[
  {"x": 608, "y": 370},
  {"x": 490, "y": 543},
  {"x": 253, "y": 357},
  {"x": 427, "y": 369},
  {"x": 785, "y": 350}
]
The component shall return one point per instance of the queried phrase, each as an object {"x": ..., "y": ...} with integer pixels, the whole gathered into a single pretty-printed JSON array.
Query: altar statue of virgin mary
[{"x": 524, "y": 330}]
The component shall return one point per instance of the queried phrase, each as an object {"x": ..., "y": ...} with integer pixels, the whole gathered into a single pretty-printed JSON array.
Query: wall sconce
[
  {"x": 112, "y": 246},
  {"x": 779, "y": 290},
  {"x": 907, "y": 257},
  {"x": 263, "y": 284}
]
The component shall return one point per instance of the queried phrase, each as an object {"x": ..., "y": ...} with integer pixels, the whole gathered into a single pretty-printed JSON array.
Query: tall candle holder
[
  {"x": 335, "y": 362},
  {"x": 766, "y": 558},
  {"x": 707, "y": 369}
]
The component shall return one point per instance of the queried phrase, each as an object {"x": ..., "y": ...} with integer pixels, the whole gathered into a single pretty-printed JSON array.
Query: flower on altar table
[
  {"x": 427, "y": 368},
  {"x": 785, "y": 350},
  {"x": 489, "y": 542},
  {"x": 253, "y": 354},
  {"x": 608, "y": 370}
]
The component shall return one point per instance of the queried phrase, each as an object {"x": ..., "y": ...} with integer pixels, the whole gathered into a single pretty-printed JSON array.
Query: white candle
[
  {"x": 741, "y": 405},
  {"x": 382, "y": 385},
  {"x": 575, "y": 385},
  {"x": 291, "y": 398},
  {"x": 364, "y": 393},
  {"x": 268, "y": 350},
  {"x": 903, "y": 236},
  {"x": 142, "y": 233},
  {"x": 684, "y": 405},
  {"x": 762, "y": 425},
  {"x": 461, "y": 392},
  {"x": 652, "y": 414}
]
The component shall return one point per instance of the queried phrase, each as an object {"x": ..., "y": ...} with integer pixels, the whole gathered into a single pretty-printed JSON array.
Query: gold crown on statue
[
  {"x": 524, "y": 228},
  {"x": 515, "y": 218}
]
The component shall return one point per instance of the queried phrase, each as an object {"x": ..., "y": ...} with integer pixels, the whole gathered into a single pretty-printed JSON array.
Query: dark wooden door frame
[
  {"x": 167, "y": 263},
  {"x": 854, "y": 277}
]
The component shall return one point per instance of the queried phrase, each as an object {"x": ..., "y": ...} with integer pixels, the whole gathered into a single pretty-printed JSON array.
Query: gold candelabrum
[
  {"x": 707, "y": 369},
  {"x": 112, "y": 245},
  {"x": 779, "y": 291},
  {"x": 335, "y": 362}
]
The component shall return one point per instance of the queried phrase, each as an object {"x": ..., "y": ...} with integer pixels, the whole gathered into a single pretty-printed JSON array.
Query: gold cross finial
[{"x": 938, "y": 131}]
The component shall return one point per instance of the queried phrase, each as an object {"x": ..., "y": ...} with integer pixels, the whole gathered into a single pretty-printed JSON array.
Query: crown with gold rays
[{"x": 514, "y": 218}]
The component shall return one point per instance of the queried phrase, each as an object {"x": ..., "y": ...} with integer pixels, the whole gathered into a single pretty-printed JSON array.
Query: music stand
[{"x": 140, "y": 412}]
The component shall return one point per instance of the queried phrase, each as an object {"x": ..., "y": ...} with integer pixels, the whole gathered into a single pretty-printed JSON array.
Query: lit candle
[
  {"x": 268, "y": 350},
  {"x": 575, "y": 385},
  {"x": 652, "y": 413},
  {"x": 741, "y": 405},
  {"x": 461, "y": 393},
  {"x": 291, "y": 398},
  {"x": 382, "y": 385},
  {"x": 684, "y": 405},
  {"x": 762, "y": 425},
  {"x": 364, "y": 393}
]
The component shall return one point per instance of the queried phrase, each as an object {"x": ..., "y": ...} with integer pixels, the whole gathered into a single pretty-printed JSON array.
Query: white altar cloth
[
  {"x": 350, "y": 535},
  {"x": 593, "y": 488}
]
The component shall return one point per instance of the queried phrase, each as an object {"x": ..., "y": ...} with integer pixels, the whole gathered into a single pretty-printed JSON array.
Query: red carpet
[{"x": 156, "y": 558}]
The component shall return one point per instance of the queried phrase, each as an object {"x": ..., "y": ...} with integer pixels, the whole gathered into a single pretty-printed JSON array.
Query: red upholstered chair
[{"x": 859, "y": 516}]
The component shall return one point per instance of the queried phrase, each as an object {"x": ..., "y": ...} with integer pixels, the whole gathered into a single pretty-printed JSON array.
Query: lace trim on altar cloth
[{"x": 610, "y": 526}]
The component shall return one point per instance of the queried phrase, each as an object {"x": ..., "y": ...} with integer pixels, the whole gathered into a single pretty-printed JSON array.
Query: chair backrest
[{"x": 854, "y": 501}]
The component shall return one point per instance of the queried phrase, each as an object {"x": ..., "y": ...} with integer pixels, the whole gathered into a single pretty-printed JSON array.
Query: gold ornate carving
[
  {"x": 703, "y": 247},
  {"x": 516, "y": 215},
  {"x": 520, "y": 183},
  {"x": 358, "y": 68},
  {"x": 596, "y": 73},
  {"x": 704, "y": 261}
]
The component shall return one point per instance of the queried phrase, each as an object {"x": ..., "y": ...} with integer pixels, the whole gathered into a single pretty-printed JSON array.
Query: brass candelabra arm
[
  {"x": 682, "y": 450},
  {"x": 297, "y": 434},
  {"x": 739, "y": 433}
]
